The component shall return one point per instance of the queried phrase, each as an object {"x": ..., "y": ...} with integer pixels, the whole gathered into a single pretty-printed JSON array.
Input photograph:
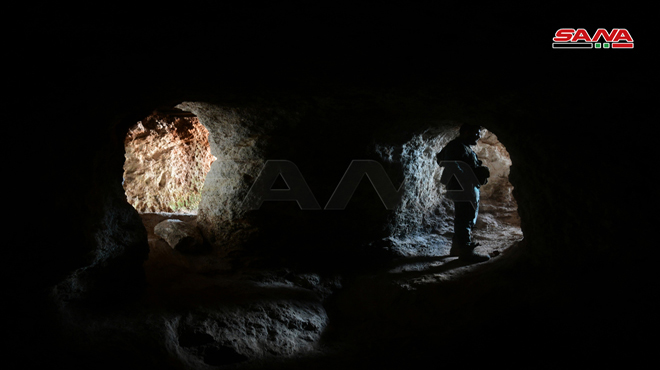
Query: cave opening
[
  {"x": 423, "y": 226},
  {"x": 167, "y": 159}
]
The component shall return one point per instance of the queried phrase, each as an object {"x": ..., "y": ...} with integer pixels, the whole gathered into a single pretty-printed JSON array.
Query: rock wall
[
  {"x": 167, "y": 159},
  {"x": 423, "y": 223},
  {"x": 239, "y": 139},
  {"x": 243, "y": 137},
  {"x": 494, "y": 155}
]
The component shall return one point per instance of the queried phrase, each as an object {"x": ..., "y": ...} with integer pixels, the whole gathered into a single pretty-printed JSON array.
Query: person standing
[{"x": 458, "y": 155}]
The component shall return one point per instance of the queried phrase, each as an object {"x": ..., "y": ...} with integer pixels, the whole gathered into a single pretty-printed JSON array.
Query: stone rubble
[{"x": 180, "y": 235}]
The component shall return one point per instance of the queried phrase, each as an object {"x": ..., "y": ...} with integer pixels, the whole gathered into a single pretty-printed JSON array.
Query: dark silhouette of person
[{"x": 464, "y": 159}]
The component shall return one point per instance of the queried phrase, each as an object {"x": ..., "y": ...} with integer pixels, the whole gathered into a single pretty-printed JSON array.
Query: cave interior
[{"x": 280, "y": 287}]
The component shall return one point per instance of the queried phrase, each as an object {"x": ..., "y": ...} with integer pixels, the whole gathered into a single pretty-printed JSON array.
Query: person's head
[{"x": 470, "y": 134}]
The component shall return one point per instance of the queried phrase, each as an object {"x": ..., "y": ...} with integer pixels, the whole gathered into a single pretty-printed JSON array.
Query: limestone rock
[
  {"x": 167, "y": 159},
  {"x": 180, "y": 235}
]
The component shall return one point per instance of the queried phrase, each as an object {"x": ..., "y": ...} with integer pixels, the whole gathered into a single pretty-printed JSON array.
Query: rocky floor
[
  {"x": 425, "y": 258},
  {"x": 208, "y": 316}
]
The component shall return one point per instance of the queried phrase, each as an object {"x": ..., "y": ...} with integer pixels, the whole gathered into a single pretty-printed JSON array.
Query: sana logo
[{"x": 569, "y": 38}]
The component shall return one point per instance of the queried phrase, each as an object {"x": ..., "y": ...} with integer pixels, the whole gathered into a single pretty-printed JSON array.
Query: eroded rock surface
[
  {"x": 495, "y": 156},
  {"x": 423, "y": 223},
  {"x": 201, "y": 322}
]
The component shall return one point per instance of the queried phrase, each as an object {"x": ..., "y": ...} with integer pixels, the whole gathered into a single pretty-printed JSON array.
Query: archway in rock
[
  {"x": 167, "y": 159},
  {"x": 422, "y": 227}
]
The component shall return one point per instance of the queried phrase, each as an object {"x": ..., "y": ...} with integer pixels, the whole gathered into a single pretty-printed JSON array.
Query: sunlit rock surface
[
  {"x": 167, "y": 159},
  {"x": 237, "y": 139},
  {"x": 423, "y": 223}
]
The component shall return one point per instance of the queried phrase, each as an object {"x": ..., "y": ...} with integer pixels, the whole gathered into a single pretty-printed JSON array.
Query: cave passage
[
  {"x": 423, "y": 227},
  {"x": 263, "y": 304},
  {"x": 167, "y": 159}
]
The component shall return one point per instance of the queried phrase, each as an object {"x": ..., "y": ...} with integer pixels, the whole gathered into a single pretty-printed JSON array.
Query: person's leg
[
  {"x": 465, "y": 217},
  {"x": 471, "y": 212},
  {"x": 463, "y": 223}
]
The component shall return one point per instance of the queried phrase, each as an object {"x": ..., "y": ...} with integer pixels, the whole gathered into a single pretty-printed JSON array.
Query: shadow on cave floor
[
  {"x": 429, "y": 259},
  {"x": 425, "y": 270}
]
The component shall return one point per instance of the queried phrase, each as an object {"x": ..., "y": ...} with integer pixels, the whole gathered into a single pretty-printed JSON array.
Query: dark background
[{"x": 68, "y": 57}]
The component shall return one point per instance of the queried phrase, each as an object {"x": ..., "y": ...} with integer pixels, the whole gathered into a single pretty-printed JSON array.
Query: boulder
[{"x": 180, "y": 235}]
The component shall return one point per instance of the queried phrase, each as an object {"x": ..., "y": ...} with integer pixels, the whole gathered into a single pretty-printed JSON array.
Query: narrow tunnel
[{"x": 422, "y": 226}]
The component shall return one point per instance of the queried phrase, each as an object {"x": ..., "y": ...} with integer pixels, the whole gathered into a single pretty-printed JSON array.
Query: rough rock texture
[
  {"x": 109, "y": 249},
  {"x": 180, "y": 235},
  {"x": 163, "y": 261},
  {"x": 575, "y": 290},
  {"x": 495, "y": 156},
  {"x": 244, "y": 138},
  {"x": 201, "y": 322},
  {"x": 423, "y": 223},
  {"x": 237, "y": 139},
  {"x": 167, "y": 159}
]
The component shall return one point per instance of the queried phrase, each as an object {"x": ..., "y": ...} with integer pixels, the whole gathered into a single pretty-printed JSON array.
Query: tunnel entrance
[
  {"x": 167, "y": 159},
  {"x": 423, "y": 227}
]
